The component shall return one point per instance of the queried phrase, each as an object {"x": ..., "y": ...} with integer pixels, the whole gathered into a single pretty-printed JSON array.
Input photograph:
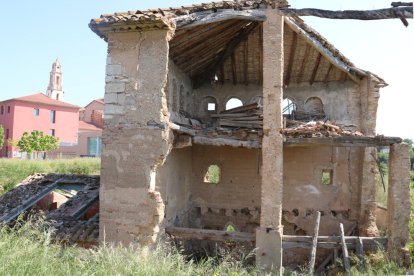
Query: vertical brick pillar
[
  {"x": 398, "y": 202},
  {"x": 136, "y": 137},
  {"x": 369, "y": 96},
  {"x": 269, "y": 235}
]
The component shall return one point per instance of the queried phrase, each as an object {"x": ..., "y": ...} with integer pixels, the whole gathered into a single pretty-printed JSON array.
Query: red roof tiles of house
[
  {"x": 87, "y": 126},
  {"x": 43, "y": 99}
]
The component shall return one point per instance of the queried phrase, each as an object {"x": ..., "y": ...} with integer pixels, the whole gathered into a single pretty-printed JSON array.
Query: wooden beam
[
  {"x": 231, "y": 46},
  {"x": 344, "y": 250},
  {"x": 302, "y": 66},
  {"x": 389, "y": 13},
  {"x": 261, "y": 54},
  {"x": 233, "y": 67},
  {"x": 291, "y": 57},
  {"x": 249, "y": 144},
  {"x": 315, "y": 68},
  {"x": 314, "y": 242},
  {"x": 246, "y": 61},
  {"x": 328, "y": 72},
  {"x": 342, "y": 141},
  {"x": 207, "y": 17},
  {"x": 210, "y": 235}
]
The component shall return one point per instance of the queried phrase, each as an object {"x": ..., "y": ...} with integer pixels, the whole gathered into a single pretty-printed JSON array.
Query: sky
[{"x": 35, "y": 33}]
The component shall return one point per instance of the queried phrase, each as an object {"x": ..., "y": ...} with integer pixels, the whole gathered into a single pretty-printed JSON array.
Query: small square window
[
  {"x": 212, "y": 175},
  {"x": 211, "y": 107},
  {"x": 36, "y": 112},
  {"x": 327, "y": 177}
]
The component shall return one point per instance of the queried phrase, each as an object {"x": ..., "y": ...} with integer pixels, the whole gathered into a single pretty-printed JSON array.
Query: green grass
[
  {"x": 13, "y": 171},
  {"x": 26, "y": 250}
]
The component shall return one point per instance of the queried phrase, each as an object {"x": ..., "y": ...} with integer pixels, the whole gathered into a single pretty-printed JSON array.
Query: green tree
[
  {"x": 1, "y": 136},
  {"x": 37, "y": 142}
]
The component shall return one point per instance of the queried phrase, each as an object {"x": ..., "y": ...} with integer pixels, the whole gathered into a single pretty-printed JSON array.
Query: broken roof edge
[{"x": 190, "y": 16}]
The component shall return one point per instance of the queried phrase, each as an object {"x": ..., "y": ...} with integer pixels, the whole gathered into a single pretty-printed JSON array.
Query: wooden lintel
[
  {"x": 315, "y": 68},
  {"x": 342, "y": 141},
  {"x": 291, "y": 58},
  {"x": 249, "y": 144}
]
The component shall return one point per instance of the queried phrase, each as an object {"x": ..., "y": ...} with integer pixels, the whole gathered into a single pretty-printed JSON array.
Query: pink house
[{"x": 38, "y": 112}]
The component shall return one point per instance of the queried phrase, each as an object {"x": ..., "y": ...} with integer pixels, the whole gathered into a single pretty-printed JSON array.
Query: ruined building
[{"x": 196, "y": 138}]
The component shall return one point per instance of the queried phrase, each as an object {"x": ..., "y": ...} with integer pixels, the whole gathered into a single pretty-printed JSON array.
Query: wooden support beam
[
  {"x": 315, "y": 68},
  {"x": 344, "y": 250},
  {"x": 207, "y": 17},
  {"x": 302, "y": 66},
  {"x": 181, "y": 129},
  {"x": 291, "y": 58},
  {"x": 210, "y": 235},
  {"x": 233, "y": 67},
  {"x": 328, "y": 72},
  {"x": 246, "y": 62},
  {"x": 389, "y": 13},
  {"x": 314, "y": 242},
  {"x": 342, "y": 141},
  {"x": 360, "y": 253},
  {"x": 250, "y": 144}
]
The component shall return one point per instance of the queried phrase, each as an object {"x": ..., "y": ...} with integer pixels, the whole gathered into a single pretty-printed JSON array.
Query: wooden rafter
[
  {"x": 304, "y": 59},
  {"x": 246, "y": 62},
  {"x": 291, "y": 58},
  {"x": 233, "y": 67},
  {"x": 328, "y": 72},
  {"x": 315, "y": 68}
]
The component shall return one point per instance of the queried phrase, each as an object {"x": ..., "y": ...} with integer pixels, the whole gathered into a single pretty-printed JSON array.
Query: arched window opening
[
  {"x": 210, "y": 104},
  {"x": 289, "y": 106},
  {"x": 233, "y": 103},
  {"x": 212, "y": 175},
  {"x": 314, "y": 105}
]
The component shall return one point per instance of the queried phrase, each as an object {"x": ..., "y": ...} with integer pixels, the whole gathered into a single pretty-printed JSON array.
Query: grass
[
  {"x": 41, "y": 257},
  {"x": 13, "y": 171}
]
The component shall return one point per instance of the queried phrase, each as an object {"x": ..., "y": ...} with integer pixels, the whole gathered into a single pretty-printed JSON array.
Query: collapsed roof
[{"x": 223, "y": 40}]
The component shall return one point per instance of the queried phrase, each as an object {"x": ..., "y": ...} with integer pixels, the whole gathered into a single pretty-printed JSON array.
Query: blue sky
[{"x": 35, "y": 33}]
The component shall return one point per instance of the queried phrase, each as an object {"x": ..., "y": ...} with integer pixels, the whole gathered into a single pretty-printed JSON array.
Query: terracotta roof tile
[
  {"x": 87, "y": 126},
  {"x": 41, "y": 98}
]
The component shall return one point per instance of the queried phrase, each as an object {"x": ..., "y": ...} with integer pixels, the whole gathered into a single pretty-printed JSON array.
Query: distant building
[{"x": 79, "y": 130}]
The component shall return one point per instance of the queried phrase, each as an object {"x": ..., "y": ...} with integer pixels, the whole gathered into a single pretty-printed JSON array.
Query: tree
[
  {"x": 1, "y": 136},
  {"x": 37, "y": 141}
]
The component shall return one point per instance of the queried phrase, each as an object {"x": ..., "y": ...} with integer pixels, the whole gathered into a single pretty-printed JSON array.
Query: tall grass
[
  {"x": 26, "y": 250},
  {"x": 13, "y": 171}
]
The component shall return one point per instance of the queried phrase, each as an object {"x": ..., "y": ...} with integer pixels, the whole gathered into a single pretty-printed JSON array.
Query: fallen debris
[{"x": 296, "y": 129}]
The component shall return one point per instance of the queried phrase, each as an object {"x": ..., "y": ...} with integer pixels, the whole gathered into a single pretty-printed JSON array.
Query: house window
[
  {"x": 327, "y": 177},
  {"x": 52, "y": 132},
  {"x": 7, "y": 134},
  {"x": 8, "y": 109},
  {"x": 57, "y": 80},
  {"x": 211, "y": 107},
  {"x": 36, "y": 111},
  {"x": 233, "y": 103},
  {"x": 53, "y": 116},
  {"x": 2, "y": 110},
  {"x": 94, "y": 146},
  {"x": 212, "y": 175}
]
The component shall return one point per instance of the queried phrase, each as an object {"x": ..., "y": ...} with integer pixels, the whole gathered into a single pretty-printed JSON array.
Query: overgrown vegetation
[
  {"x": 26, "y": 250},
  {"x": 13, "y": 171}
]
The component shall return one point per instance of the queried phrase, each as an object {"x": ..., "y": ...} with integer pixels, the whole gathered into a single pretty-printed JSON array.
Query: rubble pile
[
  {"x": 246, "y": 116},
  {"x": 296, "y": 129}
]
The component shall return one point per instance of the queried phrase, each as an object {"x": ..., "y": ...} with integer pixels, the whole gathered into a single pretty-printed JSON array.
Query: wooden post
[
  {"x": 360, "y": 253},
  {"x": 344, "y": 250},
  {"x": 314, "y": 242}
]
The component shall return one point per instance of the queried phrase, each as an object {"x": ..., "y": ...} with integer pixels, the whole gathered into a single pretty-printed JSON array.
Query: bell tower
[{"x": 54, "y": 90}]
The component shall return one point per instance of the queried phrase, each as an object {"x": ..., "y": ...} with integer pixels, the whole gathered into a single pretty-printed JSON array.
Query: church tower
[{"x": 54, "y": 90}]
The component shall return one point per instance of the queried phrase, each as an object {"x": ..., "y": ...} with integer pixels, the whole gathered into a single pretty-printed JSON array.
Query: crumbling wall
[
  {"x": 136, "y": 137},
  {"x": 236, "y": 198},
  {"x": 305, "y": 193},
  {"x": 173, "y": 182},
  {"x": 179, "y": 92},
  {"x": 341, "y": 100}
]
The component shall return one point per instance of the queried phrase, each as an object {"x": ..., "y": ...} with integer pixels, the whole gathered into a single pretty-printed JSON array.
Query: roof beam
[
  {"x": 315, "y": 68},
  {"x": 291, "y": 57},
  {"x": 328, "y": 72},
  {"x": 208, "y": 17},
  {"x": 302, "y": 66}
]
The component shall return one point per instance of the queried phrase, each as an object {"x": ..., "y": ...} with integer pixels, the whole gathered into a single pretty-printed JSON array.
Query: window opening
[
  {"x": 2, "y": 110},
  {"x": 212, "y": 175},
  {"x": 36, "y": 111},
  {"x": 211, "y": 107},
  {"x": 8, "y": 109},
  {"x": 53, "y": 116},
  {"x": 314, "y": 105},
  {"x": 233, "y": 103},
  {"x": 52, "y": 132},
  {"x": 327, "y": 177},
  {"x": 289, "y": 106}
]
